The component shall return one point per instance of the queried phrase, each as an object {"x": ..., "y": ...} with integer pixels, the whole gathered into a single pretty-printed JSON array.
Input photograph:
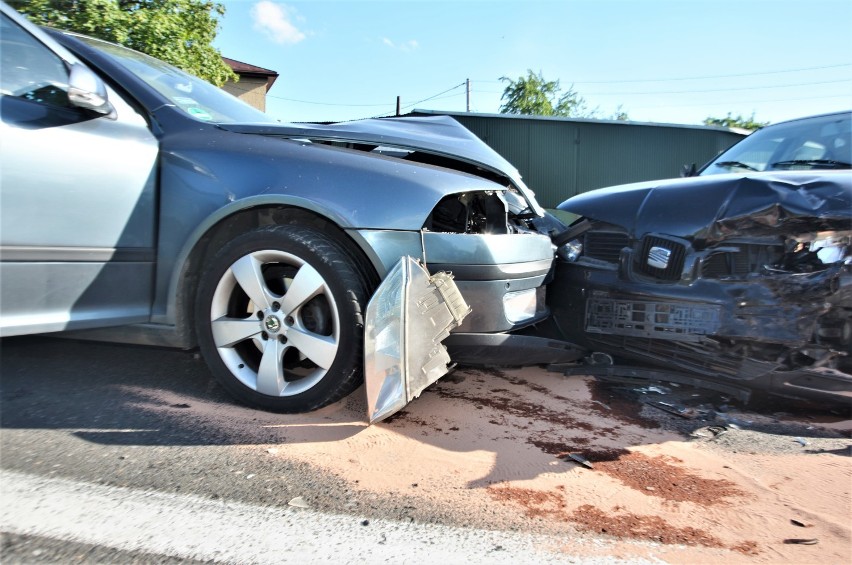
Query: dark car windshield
[
  {"x": 821, "y": 142},
  {"x": 194, "y": 96}
]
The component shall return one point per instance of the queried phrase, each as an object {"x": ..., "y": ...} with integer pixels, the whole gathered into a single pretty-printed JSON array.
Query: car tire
[{"x": 279, "y": 319}]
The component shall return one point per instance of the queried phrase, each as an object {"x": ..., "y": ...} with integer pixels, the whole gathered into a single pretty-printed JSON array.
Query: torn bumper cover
[
  {"x": 742, "y": 281},
  {"x": 407, "y": 318}
]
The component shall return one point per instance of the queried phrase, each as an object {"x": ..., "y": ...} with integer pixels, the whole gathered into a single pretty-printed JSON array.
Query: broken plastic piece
[
  {"x": 682, "y": 411},
  {"x": 799, "y": 541},
  {"x": 800, "y": 524},
  {"x": 581, "y": 460},
  {"x": 656, "y": 389},
  {"x": 298, "y": 502},
  {"x": 407, "y": 318}
]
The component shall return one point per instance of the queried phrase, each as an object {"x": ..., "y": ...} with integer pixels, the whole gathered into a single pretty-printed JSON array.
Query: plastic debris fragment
[{"x": 581, "y": 460}]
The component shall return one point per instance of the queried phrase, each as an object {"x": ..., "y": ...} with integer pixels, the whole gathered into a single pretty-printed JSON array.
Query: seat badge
[{"x": 658, "y": 257}]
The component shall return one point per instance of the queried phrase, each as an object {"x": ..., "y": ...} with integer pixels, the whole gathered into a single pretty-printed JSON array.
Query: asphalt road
[{"x": 91, "y": 474}]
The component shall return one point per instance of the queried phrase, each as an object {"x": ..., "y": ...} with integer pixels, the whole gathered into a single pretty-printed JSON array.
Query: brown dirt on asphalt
[
  {"x": 665, "y": 477},
  {"x": 489, "y": 449}
]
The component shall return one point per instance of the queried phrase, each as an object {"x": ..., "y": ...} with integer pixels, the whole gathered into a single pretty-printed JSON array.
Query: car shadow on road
[
  {"x": 513, "y": 424},
  {"x": 128, "y": 395}
]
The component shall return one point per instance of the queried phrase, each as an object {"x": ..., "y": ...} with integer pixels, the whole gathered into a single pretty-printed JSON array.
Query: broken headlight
[{"x": 571, "y": 251}]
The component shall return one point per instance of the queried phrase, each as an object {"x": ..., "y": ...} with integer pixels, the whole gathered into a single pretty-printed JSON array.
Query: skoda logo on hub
[
  {"x": 658, "y": 257},
  {"x": 272, "y": 324}
]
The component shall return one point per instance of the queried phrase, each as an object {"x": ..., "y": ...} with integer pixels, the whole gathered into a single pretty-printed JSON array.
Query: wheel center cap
[{"x": 272, "y": 324}]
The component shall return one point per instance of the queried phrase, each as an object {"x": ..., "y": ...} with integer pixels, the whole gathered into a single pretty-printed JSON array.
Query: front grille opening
[
  {"x": 604, "y": 245},
  {"x": 749, "y": 259}
]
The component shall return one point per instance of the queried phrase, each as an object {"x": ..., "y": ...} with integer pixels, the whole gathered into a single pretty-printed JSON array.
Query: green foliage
[
  {"x": 534, "y": 96},
  {"x": 180, "y": 32},
  {"x": 738, "y": 122},
  {"x": 620, "y": 115}
]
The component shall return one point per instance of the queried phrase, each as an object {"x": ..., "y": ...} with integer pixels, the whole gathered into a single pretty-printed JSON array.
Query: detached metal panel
[{"x": 561, "y": 157}]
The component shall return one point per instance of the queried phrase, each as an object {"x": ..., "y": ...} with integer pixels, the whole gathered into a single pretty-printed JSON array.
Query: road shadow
[
  {"x": 117, "y": 394},
  {"x": 526, "y": 420}
]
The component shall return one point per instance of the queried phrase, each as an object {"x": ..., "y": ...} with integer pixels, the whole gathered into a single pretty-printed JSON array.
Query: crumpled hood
[
  {"x": 714, "y": 207},
  {"x": 439, "y": 135}
]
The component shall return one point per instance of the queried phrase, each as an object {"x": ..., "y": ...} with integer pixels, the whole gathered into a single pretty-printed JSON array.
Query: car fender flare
[{"x": 231, "y": 209}]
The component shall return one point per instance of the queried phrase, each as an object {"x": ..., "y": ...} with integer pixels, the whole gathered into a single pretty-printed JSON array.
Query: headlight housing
[{"x": 571, "y": 251}]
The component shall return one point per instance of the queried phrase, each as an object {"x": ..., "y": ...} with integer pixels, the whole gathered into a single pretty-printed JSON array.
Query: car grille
[
  {"x": 604, "y": 246},
  {"x": 674, "y": 260},
  {"x": 749, "y": 259}
]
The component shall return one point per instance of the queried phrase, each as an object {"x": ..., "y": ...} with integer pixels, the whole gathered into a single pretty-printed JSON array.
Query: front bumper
[
  {"x": 501, "y": 276},
  {"x": 756, "y": 333}
]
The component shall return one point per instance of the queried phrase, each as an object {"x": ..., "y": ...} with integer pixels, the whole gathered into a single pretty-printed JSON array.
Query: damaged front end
[{"x": 741, "y": 282}]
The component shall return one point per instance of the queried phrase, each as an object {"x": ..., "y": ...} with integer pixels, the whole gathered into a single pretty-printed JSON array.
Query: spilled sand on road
[{"x": 490, "y": 448}]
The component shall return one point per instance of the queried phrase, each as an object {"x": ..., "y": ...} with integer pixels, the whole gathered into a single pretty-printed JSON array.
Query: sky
[{"x": 658, "y": 61}]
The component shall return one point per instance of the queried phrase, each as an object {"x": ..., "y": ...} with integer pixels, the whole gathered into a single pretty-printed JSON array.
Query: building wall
[
  {"x": 250, "y": 90},
  {"x": 560, "y": 157}
]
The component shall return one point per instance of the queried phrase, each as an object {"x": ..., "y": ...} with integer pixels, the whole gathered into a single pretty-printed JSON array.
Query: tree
[
  {"x": 534, "y": 96},
  {"x": 180, "y": 32},
  {"x": 738, "y": 122}
]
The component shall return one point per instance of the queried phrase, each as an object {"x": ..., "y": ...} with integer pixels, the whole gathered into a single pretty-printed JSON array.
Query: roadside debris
[
  {"x": 298, "y": 502},
  {"x": 580, "y": 459},
  {"x": 800, "y": 524},
  {"x": 682, "y": 411},
  {"x": 798, "y": 541},
  {"x": 711, "y": 432}
]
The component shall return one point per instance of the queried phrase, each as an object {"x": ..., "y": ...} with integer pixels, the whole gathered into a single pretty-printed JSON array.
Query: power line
[
  {"x": 700, "y": 77},
  {"x": 378, "y": 105},
  {"x": 655, "y": 92},
  {"x": 741, "y": 102},
  {"x": 717, "y": 89},
  {"x": 434, "y": 96}
]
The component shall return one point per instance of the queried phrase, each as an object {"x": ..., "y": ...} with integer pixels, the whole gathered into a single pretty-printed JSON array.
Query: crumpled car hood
[
  {"x": 714, "y": 207},
  {"x": 439, "y": 135}
]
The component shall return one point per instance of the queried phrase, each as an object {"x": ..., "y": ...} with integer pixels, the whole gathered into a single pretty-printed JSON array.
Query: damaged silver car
[
  {"x": 140, "y": 204},
  {"x": 739, "y": 279}
]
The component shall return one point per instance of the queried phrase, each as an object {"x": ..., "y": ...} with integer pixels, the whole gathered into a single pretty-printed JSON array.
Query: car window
[
  {"x": 822, "y": 142},
  {"x": 28, "y": 69},
  {"x": 197, "y": 98}
]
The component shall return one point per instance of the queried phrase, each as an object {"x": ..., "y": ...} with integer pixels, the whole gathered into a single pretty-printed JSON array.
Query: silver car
[{"x": 144, "y": 205}]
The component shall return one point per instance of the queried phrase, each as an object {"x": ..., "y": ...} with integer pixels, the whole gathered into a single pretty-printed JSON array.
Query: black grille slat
[
  {"x": 604, "y": 246},
  {"x": 749, "y": 259}
]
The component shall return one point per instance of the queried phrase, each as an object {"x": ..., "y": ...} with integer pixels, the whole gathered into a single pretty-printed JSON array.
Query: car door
[{"x": 77, "y": 195}]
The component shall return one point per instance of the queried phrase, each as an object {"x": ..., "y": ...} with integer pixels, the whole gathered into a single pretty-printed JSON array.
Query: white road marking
[{"x": 192, "y": 527}]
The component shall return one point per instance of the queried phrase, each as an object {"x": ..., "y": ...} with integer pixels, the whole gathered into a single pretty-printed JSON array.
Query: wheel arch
[{"x": 209, "y": 237}]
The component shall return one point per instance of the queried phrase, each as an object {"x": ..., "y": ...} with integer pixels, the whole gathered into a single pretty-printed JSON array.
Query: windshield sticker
[
  {"x": 199, "y": 113},
  {"x": 184, "y": 101}
]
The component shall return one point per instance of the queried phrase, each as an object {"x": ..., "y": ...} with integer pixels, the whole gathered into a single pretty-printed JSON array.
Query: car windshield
[
  {"x": 822, "y": 142},
  {"x": 196, "y": 97}
]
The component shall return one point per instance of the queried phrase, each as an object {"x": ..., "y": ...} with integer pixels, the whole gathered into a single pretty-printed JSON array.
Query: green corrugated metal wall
[{"x": 560, "y": 157}]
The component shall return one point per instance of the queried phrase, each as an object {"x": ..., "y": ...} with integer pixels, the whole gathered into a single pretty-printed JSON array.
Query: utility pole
[
  {"x": 398, "y": 105},
  {"x": 467, "y": 84}
]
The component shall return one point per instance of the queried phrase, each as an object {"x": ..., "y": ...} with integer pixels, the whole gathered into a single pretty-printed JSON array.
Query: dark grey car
[
  {"x": 740, "y": 278},
  {"x": 144, "y": 205}
]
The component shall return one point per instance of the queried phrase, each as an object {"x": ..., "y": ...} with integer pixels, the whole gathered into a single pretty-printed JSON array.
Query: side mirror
[
  {"x": 688, "y": 170},
  {"x": 86, "y": 90}
]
